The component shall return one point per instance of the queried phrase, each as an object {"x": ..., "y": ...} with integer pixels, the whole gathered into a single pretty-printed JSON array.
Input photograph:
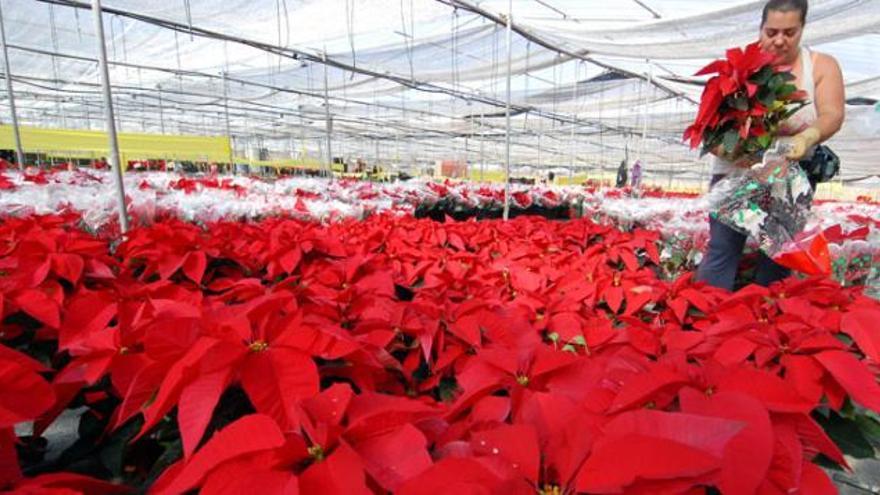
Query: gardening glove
[{"x": 799, "y": 144}]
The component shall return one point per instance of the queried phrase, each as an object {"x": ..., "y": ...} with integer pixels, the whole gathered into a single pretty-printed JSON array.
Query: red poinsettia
[
  {"x": 6, "y": 184},
  {"x": 743, "y": 105},
  {"x": 24, "y": 395},
  {"x": 408, "y": 356}
]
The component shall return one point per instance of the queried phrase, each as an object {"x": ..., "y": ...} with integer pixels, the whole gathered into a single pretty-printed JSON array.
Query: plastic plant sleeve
[{"x": 771, "y": 204}]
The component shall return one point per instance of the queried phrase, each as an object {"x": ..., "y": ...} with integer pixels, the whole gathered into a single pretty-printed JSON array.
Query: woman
[
  {"x": 636, "y": 175},
  {"x": 782, "y": 25}
]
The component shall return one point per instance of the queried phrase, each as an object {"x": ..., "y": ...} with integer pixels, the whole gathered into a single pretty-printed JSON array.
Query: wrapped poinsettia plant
[
  {"x": 741, "y": 111},
  {"x": 744, "y": 104}
]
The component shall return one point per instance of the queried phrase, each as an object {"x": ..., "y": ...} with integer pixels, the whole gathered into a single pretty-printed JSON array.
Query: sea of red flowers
[{"x": 404, "y": 355}]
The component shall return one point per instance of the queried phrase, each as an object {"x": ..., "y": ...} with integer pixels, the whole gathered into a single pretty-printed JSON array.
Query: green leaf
[
  {"x": 762, "y": 76},
  {"x": 824, "y": 462},
  {"x": 731, "y": 138},
  {"x": 786, "y": 90},
  {"x": 870, "y": 429},
  {"x": 447, "y": 388},
  {"x": 172, "y": 453},
  {"x": 422, "y": 372},
  {"x": 741, "y": 103},
  {"x": 786, "y": 76},
  {"x": 766, "y": 96},
  {"x": 764, "y": 141},
  {"x": 776, "y": 82},
  {"x": 112, "y": 455},
  {"x": 847, "y": 434}
]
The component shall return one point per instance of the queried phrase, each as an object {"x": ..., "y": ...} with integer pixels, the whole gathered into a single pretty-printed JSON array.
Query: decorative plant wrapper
[
  {"x": 807, "y": 253},
  {"x": 743, "y": 106},
  {"x": 771, "y": 203}
]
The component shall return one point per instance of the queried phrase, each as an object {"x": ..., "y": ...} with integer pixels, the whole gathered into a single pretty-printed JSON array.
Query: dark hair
[{"x": 785, "y": 6}]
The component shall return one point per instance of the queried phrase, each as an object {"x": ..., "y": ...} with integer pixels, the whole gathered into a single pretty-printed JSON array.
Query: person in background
[
  {"x": 782, "y": 25},
  {"x": 621, "y": 175},
  {"x": 636, "y": 175}
]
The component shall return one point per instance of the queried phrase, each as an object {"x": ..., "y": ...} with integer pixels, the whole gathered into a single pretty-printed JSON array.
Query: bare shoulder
[{"x": 825, "y": 64}]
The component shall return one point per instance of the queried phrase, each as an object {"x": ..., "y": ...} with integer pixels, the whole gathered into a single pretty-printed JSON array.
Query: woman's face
[{"x": 781, "y": 35}]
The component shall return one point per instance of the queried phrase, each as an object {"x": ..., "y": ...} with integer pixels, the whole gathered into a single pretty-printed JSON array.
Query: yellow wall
[
  {"x": 498, "y": 176},
  {"x": 132, "y": 146},
  {"x": 282, "y": 163}
]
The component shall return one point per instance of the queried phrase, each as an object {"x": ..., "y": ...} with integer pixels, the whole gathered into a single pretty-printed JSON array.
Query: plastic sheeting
[{"x": 567, "y": 112}]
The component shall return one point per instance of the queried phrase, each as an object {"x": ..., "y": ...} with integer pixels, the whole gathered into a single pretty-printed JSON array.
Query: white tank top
[{"x": 795, "y": 124}]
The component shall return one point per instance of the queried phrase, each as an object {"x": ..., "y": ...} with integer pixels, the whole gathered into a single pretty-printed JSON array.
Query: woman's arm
[{"x": 829, "y": 100}]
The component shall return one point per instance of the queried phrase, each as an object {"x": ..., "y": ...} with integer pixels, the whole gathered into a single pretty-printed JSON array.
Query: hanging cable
[
  {"x": 189, "y": 19},
  {"x": 177, "y": 55},
  {"x": 601, "y": 128},
  {"x": 624, "y": 135},
  {"x": 412, "y": 33},
  {"x": 124, "y": 46},
  {"x": 78, "y": 27},
  {"x": 575, "y": 110},
  {"x": 453, "y": 56},
  {"x": 407, "y": 40},
  {"x": 53, "y": 33},
  {"x": 286, "y": 24},
  {"x": 278, "y": 29},
  {"x": 349, "y": 23}
]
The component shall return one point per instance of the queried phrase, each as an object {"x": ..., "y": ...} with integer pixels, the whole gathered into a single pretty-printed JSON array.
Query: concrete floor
[{"x": 864, "y": 480}]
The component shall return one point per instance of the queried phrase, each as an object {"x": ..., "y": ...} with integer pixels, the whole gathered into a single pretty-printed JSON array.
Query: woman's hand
[{"x": 801, "y": 143}]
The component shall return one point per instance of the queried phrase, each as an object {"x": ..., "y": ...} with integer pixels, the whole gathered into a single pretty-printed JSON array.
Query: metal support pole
[
  {"x": 540, "y": 144},
  {"x": 397, "y": 149},
  {"x": 328, "y": 119},
  {"x": 161, "y": 110},
  {"x": 108, "y": 114},
  {"x": 85, "y": 104},
  {"x": 482, "y": 146},
  {"x": 507, "y": 114},
  {"x": 467, "y": 154},
  {"x": 574, "y": 126},
  {"x": 226, "y": 118},
  {"x": 376, "y": 147},
  {"x": 302, "y": 136},
  {"x": 645, "y": 115},
  {"x": 19, "y": 151}
]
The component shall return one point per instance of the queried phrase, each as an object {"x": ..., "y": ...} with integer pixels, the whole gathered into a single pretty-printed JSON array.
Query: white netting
[{"x": 420, "y": 81}]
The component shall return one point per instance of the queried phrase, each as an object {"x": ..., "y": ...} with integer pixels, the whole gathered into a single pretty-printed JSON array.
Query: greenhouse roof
[{"x": 415, "y": 81}]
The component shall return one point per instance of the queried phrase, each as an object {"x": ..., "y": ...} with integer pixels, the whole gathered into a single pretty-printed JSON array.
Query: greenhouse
[{"x": 440, "y": 246}]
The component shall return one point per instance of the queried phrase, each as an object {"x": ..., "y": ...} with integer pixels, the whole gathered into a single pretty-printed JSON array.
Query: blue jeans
[{"x": 721, "y": 261}]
